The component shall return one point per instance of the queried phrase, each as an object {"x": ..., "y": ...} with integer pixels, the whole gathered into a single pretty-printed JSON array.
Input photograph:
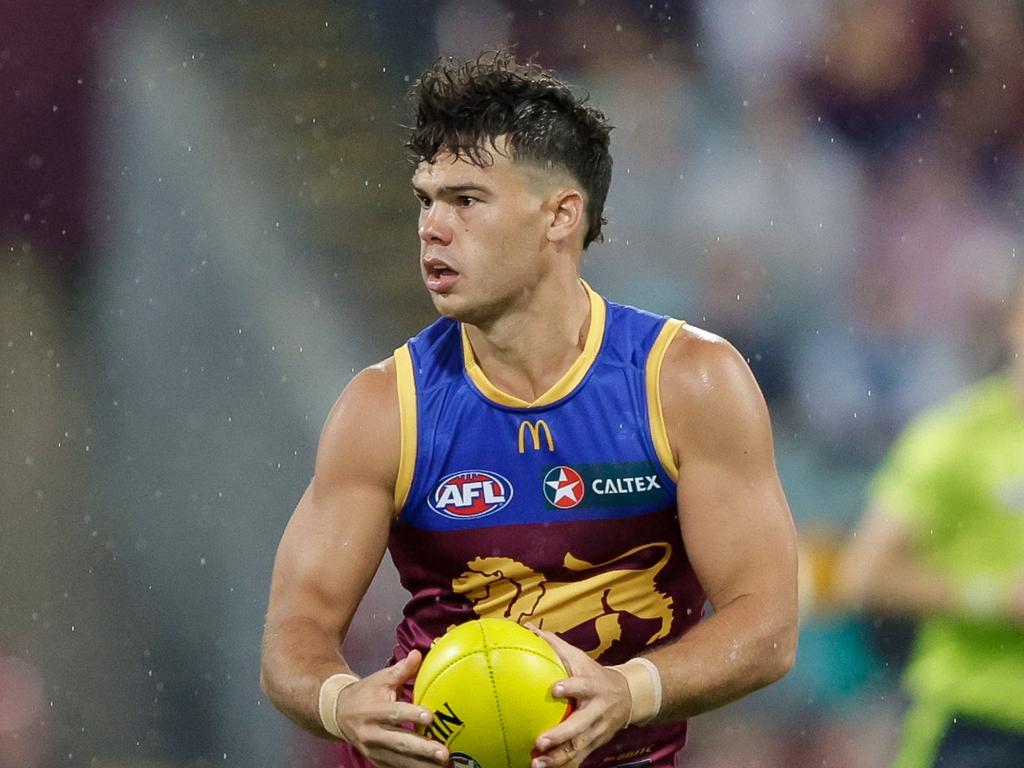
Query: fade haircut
[{"x": 463, "y": 107}]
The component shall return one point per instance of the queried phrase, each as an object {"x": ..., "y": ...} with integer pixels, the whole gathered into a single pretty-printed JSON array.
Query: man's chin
[
  {"x": 446, "y": 305},
  {"x": 454, "y": 308}
]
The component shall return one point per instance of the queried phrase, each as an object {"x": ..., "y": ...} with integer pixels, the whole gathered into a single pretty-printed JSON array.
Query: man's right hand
[{"x": 373, "y": 719}]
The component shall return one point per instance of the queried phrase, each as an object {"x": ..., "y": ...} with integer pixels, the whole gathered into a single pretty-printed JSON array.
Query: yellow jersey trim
[
  {"x": 407, "y": 416},
  {"x": 569, "y": 380},
  {"x": 659, "y": 434}
]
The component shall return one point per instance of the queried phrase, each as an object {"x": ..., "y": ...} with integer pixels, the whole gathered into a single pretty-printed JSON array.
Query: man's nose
[{"x": 434, "y": 227}]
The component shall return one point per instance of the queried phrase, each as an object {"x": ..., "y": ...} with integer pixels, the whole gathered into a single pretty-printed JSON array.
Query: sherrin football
[{"x": 488, "y": 683}]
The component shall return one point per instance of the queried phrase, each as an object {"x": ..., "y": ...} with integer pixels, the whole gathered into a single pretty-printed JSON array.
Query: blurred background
[{"x": 206, "y": 227}]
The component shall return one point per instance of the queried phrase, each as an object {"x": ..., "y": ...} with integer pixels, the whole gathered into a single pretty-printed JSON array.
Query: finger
[
  {"x": 574, "y": 751},
  {"x": 578, "y": 688},
  {"x": 402, "y": 671},
  {"x": 391, "y": 760},
  {"x": 406, "y": 668},
  {"x": 554, "y": 741},
  {"x": 570, "y": 655},
  {"x": 570, "y": 754},
  {"x": 556, "y": 758},
  {"x": 569, "y": 730},
  {"x": 407, "y": 745},
  {"x": 398, "y": 713},
  {"x": 388, "y": 759}
]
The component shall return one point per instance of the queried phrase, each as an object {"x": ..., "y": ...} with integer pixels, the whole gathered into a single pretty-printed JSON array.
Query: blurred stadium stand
[{"x": 207, "y": 227}]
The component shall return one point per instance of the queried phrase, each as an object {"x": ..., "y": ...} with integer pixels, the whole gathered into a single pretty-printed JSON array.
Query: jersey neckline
[{"x": 561, "y": 388}]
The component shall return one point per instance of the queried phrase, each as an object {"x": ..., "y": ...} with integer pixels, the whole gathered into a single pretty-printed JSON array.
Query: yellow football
[{"x": 488, "y": 683}]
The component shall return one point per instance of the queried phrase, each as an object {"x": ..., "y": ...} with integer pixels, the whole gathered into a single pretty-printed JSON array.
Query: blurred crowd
[{"x": 206, "y": 227}]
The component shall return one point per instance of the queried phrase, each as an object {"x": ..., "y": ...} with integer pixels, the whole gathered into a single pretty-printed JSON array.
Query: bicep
[
  {"x": 733, "y": 514},
  {"x": 328, "y": 555},
  {"x": 737, "y": 532},
  {"x": 337, "y": 535}
]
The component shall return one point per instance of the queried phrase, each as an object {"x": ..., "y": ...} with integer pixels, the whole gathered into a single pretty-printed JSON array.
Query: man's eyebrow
[{"x": 452, "y": 189}]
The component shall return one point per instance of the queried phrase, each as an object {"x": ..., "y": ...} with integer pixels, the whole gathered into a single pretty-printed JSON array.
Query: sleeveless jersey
[{"x": 560, "y": 512}]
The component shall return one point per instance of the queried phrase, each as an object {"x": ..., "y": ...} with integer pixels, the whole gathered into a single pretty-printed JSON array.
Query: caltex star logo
[{"x": 563, "y": 487}]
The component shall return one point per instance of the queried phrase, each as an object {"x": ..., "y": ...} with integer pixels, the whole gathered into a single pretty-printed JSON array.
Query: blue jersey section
[{"x": 586, "y": 456}]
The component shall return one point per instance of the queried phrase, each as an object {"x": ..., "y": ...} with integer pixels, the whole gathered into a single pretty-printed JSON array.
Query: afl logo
[
  {"x": 473, "y": 493},
  {"x": 563, "y": 487}
]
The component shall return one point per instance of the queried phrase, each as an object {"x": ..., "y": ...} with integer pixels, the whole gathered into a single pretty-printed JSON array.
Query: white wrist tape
[
  {"x": 328, "y": 703},
  {"x": 644, "y": 682}
]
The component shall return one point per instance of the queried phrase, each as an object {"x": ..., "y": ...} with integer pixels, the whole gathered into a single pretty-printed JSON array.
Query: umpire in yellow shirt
[{"x": 943, "y": 541}]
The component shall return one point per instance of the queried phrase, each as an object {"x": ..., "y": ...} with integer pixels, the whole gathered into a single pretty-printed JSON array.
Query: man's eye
[
  {"x": 465, "y": 201},
  {"x": 424, "y": 202}
]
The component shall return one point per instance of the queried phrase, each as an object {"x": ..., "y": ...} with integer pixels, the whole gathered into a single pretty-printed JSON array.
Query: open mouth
[{"x": 439, "y": 275}]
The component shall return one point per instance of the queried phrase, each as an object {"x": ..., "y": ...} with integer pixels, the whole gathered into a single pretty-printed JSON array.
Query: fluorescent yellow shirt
[{"x": 956, "y": 477}]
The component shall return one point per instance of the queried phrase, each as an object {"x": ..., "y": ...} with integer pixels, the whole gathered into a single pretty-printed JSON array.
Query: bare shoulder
[
  {"x": 707, "y": 389},
  {"x": 702, "y": 369},
  {"x": 362, "y": 432}
]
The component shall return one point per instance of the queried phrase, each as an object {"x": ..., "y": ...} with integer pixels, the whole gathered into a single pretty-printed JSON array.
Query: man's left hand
[{"x": 601, "y": 702}]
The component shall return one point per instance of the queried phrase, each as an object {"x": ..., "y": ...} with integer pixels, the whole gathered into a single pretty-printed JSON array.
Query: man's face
[{"x": 481, "y": 234}]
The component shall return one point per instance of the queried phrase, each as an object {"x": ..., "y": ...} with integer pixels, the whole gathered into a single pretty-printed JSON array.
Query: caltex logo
[
  {"x": 563, "y": 487},
  {"x": 473, "y": 493}
]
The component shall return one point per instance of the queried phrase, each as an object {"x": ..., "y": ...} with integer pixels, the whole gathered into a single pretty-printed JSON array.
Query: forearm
[
  {"x": 742, "y": 647},
  {"x": 882, "y": 570},
  {"x": 906, "y": 589},
  {"x": 911, "y": 589},
  {"x": 298, "y": 655},
  {"x": 879, "y": 571}
]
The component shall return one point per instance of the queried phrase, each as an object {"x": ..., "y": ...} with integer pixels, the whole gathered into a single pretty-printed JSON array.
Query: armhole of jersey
[
  {"x": 659, "y": 434},
  {"x": 407, "y": 416}
]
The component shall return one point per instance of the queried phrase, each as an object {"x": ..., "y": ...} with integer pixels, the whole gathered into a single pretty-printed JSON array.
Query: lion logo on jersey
[{"x": 506, "y": 588}]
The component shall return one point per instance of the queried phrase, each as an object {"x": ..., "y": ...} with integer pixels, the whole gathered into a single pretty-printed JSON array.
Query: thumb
[
  {"x": 402, "y": 671},
  {"x": 568, "y": 653}
]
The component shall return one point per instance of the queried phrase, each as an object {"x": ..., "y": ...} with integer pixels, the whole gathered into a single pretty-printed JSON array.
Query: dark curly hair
[{"x": 463, "y": 107}]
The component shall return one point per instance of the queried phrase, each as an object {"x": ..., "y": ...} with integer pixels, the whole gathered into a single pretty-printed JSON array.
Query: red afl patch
[{"x": 473, "y": 493}]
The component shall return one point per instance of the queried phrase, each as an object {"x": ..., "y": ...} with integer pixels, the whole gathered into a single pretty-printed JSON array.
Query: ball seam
[{"x": 494, "y": 693}]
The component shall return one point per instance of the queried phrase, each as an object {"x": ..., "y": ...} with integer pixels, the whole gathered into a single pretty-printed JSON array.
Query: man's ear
[{"x": 569, "y": 214}]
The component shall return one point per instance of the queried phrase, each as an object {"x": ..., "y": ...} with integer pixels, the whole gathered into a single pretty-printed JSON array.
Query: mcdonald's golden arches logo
[{"x": 535, "y": 428}]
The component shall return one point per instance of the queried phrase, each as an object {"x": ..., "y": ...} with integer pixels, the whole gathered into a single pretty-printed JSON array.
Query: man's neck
[{"x": 527, "y": 350}]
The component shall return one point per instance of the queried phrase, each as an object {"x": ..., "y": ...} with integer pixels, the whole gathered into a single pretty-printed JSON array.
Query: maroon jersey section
[{"x": 612, "y": 587}]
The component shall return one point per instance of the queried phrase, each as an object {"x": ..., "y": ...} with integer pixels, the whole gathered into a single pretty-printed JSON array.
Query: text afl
[{"x": 470, "y": 494}]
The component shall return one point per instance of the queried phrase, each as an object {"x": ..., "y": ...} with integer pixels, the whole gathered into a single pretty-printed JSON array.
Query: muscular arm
[
  {"x": 332, "y": 545},
  {"x": 736, "y": 528},
  {"x": 740, "y": 540}
]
